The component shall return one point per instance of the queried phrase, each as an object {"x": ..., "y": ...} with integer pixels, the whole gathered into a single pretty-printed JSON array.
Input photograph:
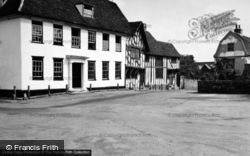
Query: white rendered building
[{"x": 50, "y": 43}]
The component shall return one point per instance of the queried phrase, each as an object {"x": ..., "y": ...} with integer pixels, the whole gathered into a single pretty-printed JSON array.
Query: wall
[
  {"x": 48, "y": 50},
  {"x": 136, "y": 41},
  {"x": 228, "y": 87},
  {"x": 190, "y": 84},
  {"x": 239, "y": 65},
  {"x": 150, "y": 78},
  {"x": 173, "y": 65},
  {"x": 10, "y": 55}
]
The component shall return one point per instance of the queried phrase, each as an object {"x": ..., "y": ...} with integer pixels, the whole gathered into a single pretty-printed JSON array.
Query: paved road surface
[{"x": 167, "y": 123}]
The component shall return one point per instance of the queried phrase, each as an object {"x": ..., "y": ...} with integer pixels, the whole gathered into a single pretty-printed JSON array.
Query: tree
[
  {"x": 188, "y": 68},
  {"x": 225, "y": 69}
]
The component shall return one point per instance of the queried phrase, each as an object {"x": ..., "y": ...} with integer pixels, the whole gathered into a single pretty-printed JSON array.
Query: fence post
[
  {"x": 14, "y": 93},
  {"x": 25, "y": 96},
  {"x": 118, "y": 86},
  {"x": 90, "y": 87},
  {"x": 28, "y": 92},
  {"x": 67, "y": 88},
  {"x": 49, "y": 90}
]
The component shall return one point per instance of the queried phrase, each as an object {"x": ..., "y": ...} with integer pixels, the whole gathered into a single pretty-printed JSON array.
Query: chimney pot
[{"x": 238, "y": 29}]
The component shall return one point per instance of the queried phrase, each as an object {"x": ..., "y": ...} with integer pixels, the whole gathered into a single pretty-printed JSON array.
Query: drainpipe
[{"x": 151, "y": 75}]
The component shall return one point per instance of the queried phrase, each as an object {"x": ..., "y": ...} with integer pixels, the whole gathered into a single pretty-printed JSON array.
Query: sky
[{"x": 167, "y": 20}]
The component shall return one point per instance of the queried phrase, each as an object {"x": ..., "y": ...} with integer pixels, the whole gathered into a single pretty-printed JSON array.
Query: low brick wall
[{"x": 228, "y": 87}]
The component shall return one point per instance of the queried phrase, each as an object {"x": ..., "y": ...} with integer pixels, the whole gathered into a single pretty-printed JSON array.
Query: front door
[
  {"x": 77, "y": 75},
  {"x": 142, "y": 77}
]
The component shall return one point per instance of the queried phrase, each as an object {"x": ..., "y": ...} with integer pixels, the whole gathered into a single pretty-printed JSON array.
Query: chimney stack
[{"x": 237, "y": 29}]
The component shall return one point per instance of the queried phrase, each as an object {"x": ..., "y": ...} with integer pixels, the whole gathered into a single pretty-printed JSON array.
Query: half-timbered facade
[
  {"x": 162, "y": 63},
  {"x": 135, "y": 57}
]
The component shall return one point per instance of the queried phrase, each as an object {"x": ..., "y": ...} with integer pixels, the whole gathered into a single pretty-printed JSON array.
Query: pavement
[
  {"x": 134, "y": 123},
  {"x": 71, "y": 99}
]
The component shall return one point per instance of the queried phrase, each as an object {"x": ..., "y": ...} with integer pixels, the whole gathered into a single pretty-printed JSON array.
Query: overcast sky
[{"x": 168, "y": 20}]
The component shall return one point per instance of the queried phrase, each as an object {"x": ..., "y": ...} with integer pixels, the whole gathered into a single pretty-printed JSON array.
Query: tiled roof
[
  {"x": 134, "y": 26},
  {"x": 107, "y": 15},
  {"x": 203, "y": 63},
  {"x": 158, "y": 48},
  {"x": 245, "y": 41},
  {"x": 209, "y": 65}
]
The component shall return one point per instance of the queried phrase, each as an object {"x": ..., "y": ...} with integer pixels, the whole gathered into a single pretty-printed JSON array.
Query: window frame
[
  {"x": 85, "y": 14},
  {"x": 58, "y": 78},
  {"x": 105, "y": 72},
  {"x": 75, "y": 38},
  {"x": 94, "y": 71},
  {"x": 118, "y": 73},
  {"x": 91, "y": 40},
  {"x": 103, "y": 42},
  {"x": 231, "y": 47},
  {"x": 36, "y": 25},
  {"x": 135, "y": 53},
  {"x": 159, "y": 68},
  {"x": 40, "y": 60},
  {"x": 118, "y": 43},
  {"x": 159, "y": 73},
  {"x": 147, "y": 58},
  {"x": 57, "y": 34}
]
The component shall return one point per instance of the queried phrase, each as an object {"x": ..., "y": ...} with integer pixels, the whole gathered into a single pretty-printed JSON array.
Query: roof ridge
[
  {"x": 165, "y": 42},
  {"x": 161, "y": 48},
  {"x": 107, "y": 16}
]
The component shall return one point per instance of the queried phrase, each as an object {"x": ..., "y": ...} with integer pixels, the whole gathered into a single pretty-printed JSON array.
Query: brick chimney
[{"x": 237, "y": 29}]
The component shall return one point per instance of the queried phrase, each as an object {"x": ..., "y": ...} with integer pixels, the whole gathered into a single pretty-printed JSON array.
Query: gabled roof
[
  {"x": 208, "y": 65},
  {"x": 138, "y": 26},
  {"x": 134, "y": 26},
  {"x": 107, "y": 15},
  {"x": 159, "y": 48},
  {"x": 246, "y": 41},
  {"x": 203, "y": 63},
  {"x": 243, "y": 39}
]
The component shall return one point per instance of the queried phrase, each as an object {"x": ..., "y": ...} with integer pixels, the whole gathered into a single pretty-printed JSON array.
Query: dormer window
[{"x": 86, "y": 10}]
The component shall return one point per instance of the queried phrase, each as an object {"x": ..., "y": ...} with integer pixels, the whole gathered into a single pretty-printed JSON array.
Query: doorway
[{"x": 77, "y": 75}]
